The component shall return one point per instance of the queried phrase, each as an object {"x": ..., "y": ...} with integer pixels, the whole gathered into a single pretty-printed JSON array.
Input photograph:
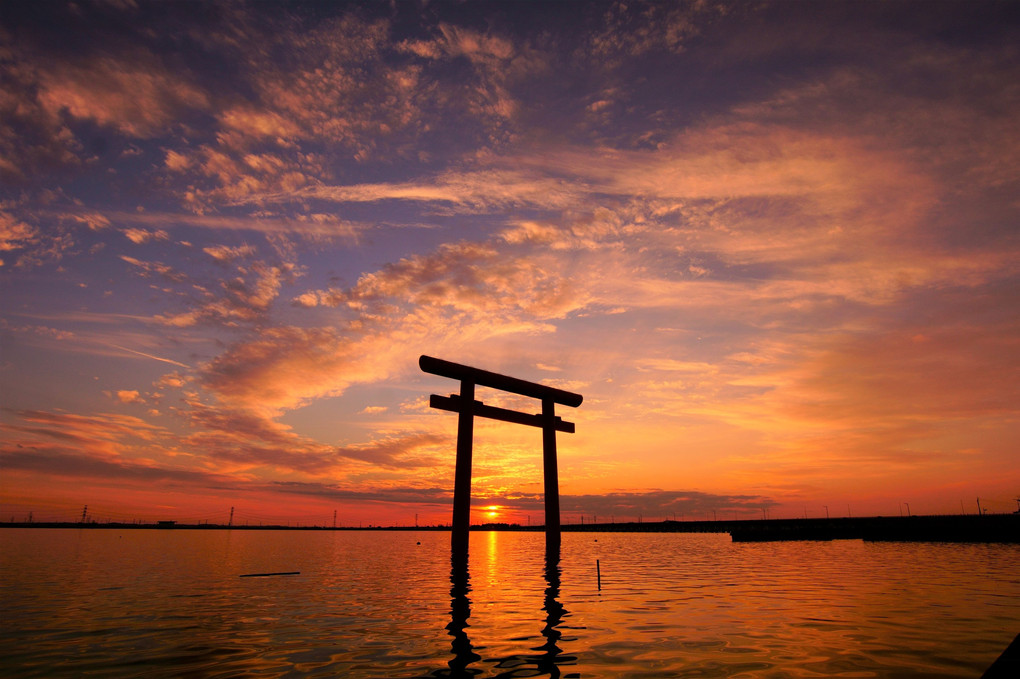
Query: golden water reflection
[{"x": 546, "y": 659}]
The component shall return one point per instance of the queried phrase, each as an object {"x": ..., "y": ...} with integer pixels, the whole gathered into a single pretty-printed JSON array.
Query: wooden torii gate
[{"x": 465, "y": 405}]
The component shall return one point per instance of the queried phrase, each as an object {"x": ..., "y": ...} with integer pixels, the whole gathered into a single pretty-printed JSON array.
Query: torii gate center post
[{"x": 465, "y": 405}]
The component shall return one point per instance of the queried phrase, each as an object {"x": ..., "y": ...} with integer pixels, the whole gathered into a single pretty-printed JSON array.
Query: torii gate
[{"x": 467, "y": 408}]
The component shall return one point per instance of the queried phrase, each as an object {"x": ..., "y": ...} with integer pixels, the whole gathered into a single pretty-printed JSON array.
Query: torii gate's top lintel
[{"x": 456, "y": 371}]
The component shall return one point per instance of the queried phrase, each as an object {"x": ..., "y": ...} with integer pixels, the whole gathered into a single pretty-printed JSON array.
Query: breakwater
[
  {"x": 1003, "y": 528},
  {"x": 958, "y": 528}
]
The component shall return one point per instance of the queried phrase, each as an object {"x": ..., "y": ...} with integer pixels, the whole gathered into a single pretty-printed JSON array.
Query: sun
[{"x": 492, "y": 511}]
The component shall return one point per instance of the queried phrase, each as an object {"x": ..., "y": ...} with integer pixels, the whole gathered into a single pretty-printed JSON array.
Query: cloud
[
  {"x": 290, "y": 123},
  {"x": 871, "y": 397},
  {"x": 106, "y": 435},
  {"x": 227, "y": 444},
  {"x": 315, "y": 225},
  {"x": 744, "y": 193},
  {"x": 483, "y": 190},
  {"x": 59, "y": 462},
  {"x": 427, "y": 496},
  {"x": 474, "y": 278},
  {"x": 247, "y": 440},
  {"x": 258, "y": 123},
  {"x": 161, "y": 269},
  {"x": 15, "y": 234},
  {"x": 916, "y": 371},
  {"x": 33, "y": 241},
  {"x": 286, "y": 366},
  {"x": 395, "y": 451},
  {"x": 654, "y": 505},
  {"x": 633, "y": 29},
  {"x": 229, "y": 454},
  {"x": 659, "y": 504},
  {"x": 136, "y": 96},
  {"x": 242, "y": 296},
  {"x": 141, "y": 236},
  {"x": 176, "y": 161},
  {"x": 95, "y": 221},
  {"x": 32, "y": 140},
  {"x": 39, "y": 331},
  {"x": 225, "y": 253},
  {"x": 461, "y": 292},
  {"x": 239, "y": 425}
]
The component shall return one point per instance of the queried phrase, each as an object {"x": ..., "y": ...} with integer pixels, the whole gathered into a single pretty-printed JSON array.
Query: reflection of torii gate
[{"x": 467, "y": 407}]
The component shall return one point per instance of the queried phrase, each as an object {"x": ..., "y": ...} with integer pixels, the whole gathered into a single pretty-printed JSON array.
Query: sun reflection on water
[{"x": 545, "y": 658}]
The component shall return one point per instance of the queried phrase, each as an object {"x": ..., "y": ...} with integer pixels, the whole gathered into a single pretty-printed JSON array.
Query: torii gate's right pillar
[{"x": 551, "y": 474}]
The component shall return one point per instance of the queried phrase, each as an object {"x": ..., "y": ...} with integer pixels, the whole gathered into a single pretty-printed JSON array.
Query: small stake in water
[{"x": 598, "y": 572}]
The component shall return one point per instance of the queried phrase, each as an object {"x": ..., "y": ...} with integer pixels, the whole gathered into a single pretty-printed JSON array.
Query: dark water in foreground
[{"x": 170, "y": 603}]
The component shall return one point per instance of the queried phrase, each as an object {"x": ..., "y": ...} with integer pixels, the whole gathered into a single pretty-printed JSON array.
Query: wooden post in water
[{"x": 467, "y": 408}]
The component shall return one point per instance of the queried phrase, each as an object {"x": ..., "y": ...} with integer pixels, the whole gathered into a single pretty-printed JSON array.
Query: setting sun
[{"x": 492, "y": 511}]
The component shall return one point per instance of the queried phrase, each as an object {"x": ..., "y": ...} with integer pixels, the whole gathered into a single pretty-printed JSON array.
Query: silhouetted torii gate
[{"x": 467, "y": 408}]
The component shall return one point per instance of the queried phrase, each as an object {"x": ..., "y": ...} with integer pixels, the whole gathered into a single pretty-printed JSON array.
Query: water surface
[{"x": 379, "y": 604}]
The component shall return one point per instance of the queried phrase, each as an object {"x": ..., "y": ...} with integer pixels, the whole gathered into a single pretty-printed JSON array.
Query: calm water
[{"x": 377, "y": 604}]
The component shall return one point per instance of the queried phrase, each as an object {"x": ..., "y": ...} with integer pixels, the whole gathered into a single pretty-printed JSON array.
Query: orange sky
[{"x": 775, "y": 248}]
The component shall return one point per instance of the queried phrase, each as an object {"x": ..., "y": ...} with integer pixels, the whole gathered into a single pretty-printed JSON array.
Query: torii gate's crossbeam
[
  {"x": 467, "y": 408},
  {"x": 452, "y": 403}
]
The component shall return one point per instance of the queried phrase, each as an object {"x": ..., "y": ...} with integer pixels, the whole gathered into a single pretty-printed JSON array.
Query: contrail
[{"x": 155, "y": 358}]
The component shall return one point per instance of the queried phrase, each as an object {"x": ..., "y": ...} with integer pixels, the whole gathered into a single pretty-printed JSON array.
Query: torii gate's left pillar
[
  {"x": 462, "y": 475},
  {"x": 465, "y": 405}
]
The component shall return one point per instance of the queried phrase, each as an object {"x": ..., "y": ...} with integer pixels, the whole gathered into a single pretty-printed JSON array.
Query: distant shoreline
[{"x": 989, "y": 528}]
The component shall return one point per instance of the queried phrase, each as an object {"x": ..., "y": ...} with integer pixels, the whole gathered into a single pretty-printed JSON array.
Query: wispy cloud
[
  {"x": 54, "y": 461},
  {"x": 155, "y": 358},
  {"x": 311, "y": 225}
]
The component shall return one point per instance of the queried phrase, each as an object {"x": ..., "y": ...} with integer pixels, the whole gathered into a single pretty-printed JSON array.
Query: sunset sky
[{"x": 776, "y": 246}]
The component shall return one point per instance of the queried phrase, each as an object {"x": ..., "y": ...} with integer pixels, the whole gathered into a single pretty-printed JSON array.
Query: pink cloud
[
  {"x": 313, "y": 225},
  {"x": 226, "y": 253},
  {"x": 15, "y": 234},
  {"x": 483, "y": 190},
  {"x": 140, "y": 236},
  {"x": 286, "y": 366},
  {"x": 258, "y": 123},
  {"x": 135, "y": 96},
  {"x": 242, "y": 290},
  {"x": 105, "y": 435}
]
